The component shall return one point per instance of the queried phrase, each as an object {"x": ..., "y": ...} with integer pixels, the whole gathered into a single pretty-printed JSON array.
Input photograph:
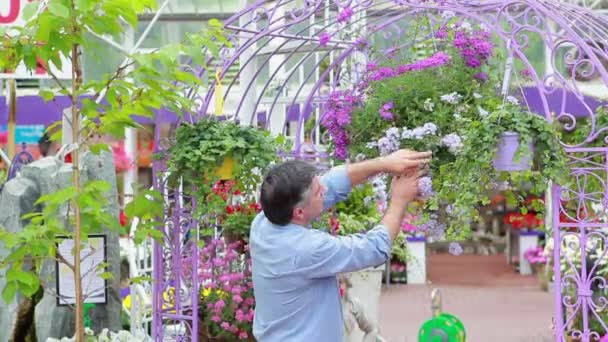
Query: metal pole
[{"x": 12, "y": 117}]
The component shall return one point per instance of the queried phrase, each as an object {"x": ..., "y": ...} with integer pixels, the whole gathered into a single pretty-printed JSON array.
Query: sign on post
[{"x": 11, "y": 15}]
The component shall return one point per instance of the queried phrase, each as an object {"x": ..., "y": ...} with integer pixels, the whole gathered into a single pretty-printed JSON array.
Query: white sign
[
  {"x": 11, "y": 15},
  {"x": 93, "y": 285}
]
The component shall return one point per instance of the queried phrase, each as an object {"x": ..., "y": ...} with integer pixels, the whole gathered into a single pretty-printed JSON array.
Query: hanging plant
[
  {"x": 466, "y": 182},
  {"x": 210, "y": 152}
]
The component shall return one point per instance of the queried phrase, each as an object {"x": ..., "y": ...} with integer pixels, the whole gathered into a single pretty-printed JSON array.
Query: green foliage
[
  {"x": 466, "y": 182},
  {"x": 358, "y": 212},
  {"x": 201, "y": 148}
]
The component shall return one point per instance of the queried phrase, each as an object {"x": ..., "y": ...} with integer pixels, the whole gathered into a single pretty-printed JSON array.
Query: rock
[
  {"x": 16, "y": 199},
  {"x": 46, "y": 176}
]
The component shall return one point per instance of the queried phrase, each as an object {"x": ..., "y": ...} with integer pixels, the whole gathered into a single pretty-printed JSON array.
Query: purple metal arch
[{"x": 553, "y": 93}]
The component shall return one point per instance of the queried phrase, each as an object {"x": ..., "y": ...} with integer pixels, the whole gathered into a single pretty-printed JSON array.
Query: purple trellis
[{"x": 273, "y": 36}]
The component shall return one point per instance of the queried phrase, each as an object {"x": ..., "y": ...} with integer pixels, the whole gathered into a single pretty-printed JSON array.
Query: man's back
[
  {"x": 294, "y": 272},
  {"x": 292, "y": 306}
]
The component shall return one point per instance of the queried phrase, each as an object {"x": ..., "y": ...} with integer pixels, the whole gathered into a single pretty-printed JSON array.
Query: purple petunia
[
  {"x": 345, "y": 14},
  {"x": 385, "y": 112},
  {"x": 324, "y": 38}
]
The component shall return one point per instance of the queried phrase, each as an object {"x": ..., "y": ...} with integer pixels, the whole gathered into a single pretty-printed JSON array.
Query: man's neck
[{"x": 302, "y": 223}]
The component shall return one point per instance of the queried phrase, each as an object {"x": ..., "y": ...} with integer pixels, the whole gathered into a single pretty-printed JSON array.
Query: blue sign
[{"x": 29, "y": 134}]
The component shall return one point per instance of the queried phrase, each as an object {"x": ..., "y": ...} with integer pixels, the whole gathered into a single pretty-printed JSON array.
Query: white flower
[
  {"x": 462, "y": 108},
  {"x": 430, "y": 128},
  {"x": 512, "y": 100},
  {"x": 465, "y": 25},
  {"x": 448, "y": 14},
  {"x": 407, "y": 134},
  {"x": 482, "y": 111},
  {"x": 429, "y": 105},
  {"x": 477, "y": 95},
  {"x": 372, "y": 144},
  {"x": 452, "y": 98},
  {"x": 453, "y": 142},
  {"x": 393, "y": 134},
  {"x": 457, "y": 116}
]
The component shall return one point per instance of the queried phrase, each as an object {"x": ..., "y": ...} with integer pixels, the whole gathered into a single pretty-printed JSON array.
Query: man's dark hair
[{"x": 284, "y": 187}]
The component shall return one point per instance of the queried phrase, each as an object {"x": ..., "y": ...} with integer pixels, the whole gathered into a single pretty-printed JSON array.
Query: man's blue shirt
[{"x": 294, "y": 272}]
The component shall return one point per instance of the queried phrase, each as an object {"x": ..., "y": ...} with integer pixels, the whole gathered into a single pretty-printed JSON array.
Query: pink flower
[
  {"x": 345, "y": 14},
  {"x": 216, "y": 318},
  {"x": 237, "y": 299},
  {"x": 220, "y": 304},
  {"x": 324, "y": 38},
  {"x": 243, "y": 335},
  {"x": 225, "y": 325}
]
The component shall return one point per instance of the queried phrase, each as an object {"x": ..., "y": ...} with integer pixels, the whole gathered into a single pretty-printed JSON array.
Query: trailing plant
[
  {"x": 58, "y": 30},
  {"x": 467, "y": 181}
]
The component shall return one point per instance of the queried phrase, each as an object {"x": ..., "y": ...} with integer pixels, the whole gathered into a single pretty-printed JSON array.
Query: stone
[
  {"x": 16, "y": 199},
  {"x": 46, "y": 176},
  {"x": 94, "y": 167}
]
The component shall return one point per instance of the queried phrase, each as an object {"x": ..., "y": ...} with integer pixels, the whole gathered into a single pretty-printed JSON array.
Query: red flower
[
  {"x": 123, "y": 218},
  {"x": 335, "y": 224},
  {"x": 229, "y": 209},
  {"x": 255, "y": 207}
]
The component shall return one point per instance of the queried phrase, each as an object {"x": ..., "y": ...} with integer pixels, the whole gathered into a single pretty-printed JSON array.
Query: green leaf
[
  {"x": 106, "y": 275},
  {"x": 98, "y": 148},
  {"x": 59, "y": 9},
  {"x": 30, "y": 9},
  {"x": 46, "y": 95},
  {"x": 9, "y": 291}
]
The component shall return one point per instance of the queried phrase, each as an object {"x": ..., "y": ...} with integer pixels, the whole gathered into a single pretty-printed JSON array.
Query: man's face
[{"x": 313, "y": 202}]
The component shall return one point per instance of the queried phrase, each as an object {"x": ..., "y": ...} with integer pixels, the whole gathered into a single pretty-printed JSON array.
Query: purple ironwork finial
[{"x": 22, "y": 158}]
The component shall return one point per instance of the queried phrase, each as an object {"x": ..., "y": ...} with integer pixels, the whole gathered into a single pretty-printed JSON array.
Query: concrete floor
[{"x": 493, "y": 301}]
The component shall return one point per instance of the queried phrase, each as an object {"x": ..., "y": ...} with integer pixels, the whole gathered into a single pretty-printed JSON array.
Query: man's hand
[
  {"x": 404, "y": 188},
  {"x": 399, "y": 162}
]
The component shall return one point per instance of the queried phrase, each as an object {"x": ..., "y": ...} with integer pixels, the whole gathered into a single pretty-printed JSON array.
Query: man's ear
[{"x": 298, "y": 214}]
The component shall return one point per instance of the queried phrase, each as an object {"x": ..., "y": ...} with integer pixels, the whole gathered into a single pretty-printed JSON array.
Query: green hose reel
[{"x": 443, "y": 327}]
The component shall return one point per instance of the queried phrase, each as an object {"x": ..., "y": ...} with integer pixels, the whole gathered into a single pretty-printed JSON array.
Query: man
[{"x": 294, "y": 268}]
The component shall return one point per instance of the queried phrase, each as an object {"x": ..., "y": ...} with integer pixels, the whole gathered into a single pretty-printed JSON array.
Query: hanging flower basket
[
  {"x": 226, "y": 170},
  {"x": 506, "y": 154}
]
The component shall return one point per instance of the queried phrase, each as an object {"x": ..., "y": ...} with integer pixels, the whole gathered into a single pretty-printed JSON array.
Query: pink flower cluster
[
  {"x": 227, "y": 301},
  {"x": 345, "y": 14},
  {"x": 338, "y": 109},
  {"x": 436, "y": 60},
  {"x": 475, "y": 47},
  {"x": 535, "y": 255}
]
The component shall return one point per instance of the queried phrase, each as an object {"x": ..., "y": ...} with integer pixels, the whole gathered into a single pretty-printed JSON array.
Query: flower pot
[
  {"x": 505, "y": 159},
  {"x": 226, "y": 170}
]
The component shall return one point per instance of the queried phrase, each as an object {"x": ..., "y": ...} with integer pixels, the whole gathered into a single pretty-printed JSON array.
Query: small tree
[{"x": 147, "y": 82}]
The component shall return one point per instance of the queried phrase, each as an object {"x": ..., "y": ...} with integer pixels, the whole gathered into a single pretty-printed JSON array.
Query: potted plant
[{"x": 473, "y": 173}]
